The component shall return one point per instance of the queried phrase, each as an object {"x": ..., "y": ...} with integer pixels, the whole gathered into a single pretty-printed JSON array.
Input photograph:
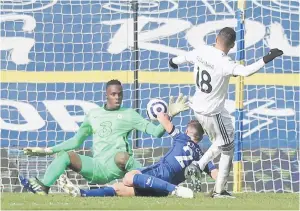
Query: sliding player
[
  {"x": 110, "y": 126},
  {"x": 212, "y": 71},
  {"x": 162, "y": 178}
]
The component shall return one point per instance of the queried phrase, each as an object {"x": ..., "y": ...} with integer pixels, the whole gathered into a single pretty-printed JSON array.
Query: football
[{"x": 156, "y": 106}]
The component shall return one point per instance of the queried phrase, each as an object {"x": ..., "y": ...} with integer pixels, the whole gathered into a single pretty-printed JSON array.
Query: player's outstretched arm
[
  {"x": 181, "y": 59},
  {"x": 164, "y": 120},
  {"x": 253, "y": 68},
  {"x": 84, "y": 131},
  {"x": 73, "y": 143},
  {"x": 143, "y": 125}
]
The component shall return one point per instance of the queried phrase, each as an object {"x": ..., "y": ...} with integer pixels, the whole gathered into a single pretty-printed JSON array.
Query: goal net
[{"x": 57, "y": 55}]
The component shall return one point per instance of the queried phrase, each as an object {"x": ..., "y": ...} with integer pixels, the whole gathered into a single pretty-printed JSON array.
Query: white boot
[
  {"x": 183, "y": 192},
  {"x": 67, "y": 186}
]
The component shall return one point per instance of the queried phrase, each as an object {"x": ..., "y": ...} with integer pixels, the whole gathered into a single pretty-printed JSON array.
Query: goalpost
[
  {"x": 57, "y": 55},
  {"x": 239, "y": 99}
]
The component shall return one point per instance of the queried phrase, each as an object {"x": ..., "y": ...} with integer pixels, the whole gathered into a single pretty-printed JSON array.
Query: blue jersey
[
  {"x": 171, "y": 166},
  {"x": 183, "y": 152}
]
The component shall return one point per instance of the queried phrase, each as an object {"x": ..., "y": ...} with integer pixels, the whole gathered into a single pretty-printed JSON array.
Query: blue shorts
[{"x": 157, "y": 170}]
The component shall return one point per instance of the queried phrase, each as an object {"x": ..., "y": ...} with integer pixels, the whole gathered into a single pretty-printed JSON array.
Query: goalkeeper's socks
[
  {"x": 146, "y": 181},
  {"x": 100, "y": 192}
]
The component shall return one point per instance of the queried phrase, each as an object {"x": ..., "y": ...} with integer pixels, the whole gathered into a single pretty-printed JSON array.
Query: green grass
[{"x": 245, "y": 201}]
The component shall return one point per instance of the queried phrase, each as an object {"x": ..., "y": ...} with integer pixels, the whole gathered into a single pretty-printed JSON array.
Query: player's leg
[
  {"x": 220, "y": 130},
  {"x": 57, "y": 167},
  {"x": 54, "y": 170},
  {"x": 123, "y": 190},
  {"x": 225, "y": 164},
  {"x": 140, "y": 180},
  {"x": 125, "y": 162},
  {"x": 225, "y": 141},
  {"x": 209, "y": 125},
  {"x": 117, "y": 189},
  {"x": 114, "y": 167},
  {"x": 78, "y": 163},
  {"x": 213, "y": 151}
]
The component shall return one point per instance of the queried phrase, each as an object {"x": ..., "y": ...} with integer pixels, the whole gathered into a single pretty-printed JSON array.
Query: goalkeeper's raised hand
[
  {"x": 178, "y": 106},
  {"x": 37, "y": 151}
]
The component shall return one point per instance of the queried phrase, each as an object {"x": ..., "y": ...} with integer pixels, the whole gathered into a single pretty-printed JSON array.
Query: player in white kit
[{"x": 212, "y": 71}]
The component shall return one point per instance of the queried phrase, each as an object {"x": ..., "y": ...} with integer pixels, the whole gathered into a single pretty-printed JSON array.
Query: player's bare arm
[
  {"x": 164, "y": 120},
  {"x": 175, "y": 107}
]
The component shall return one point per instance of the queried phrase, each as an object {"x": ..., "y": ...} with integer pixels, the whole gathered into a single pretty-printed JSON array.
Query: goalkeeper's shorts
[{"x": 101, "y": 170}]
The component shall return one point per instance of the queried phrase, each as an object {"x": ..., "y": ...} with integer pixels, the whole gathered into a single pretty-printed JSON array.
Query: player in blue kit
[{"x": 162, "y": 178}]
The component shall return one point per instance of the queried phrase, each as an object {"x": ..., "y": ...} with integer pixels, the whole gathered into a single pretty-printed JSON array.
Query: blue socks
[
  {"x": 150, "y": 182},
  {"x": 100, "y": 192},
  {"x": 139, "y": 180}
]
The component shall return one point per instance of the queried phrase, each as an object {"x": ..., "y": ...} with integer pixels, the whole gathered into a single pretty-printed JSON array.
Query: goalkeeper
[
  {"x": 163, "y": 177},
  {"x": 110, "y": 126}
]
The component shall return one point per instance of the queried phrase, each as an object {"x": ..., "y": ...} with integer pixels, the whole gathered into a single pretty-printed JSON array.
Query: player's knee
[
  {"x": 121, "y": 159},
  {"x": 128, "y": 178},
  {"x": 75, "y": 161},
  {"x": 118, "y": 188},
  {"x": 228, "y": 148},
  {"x": 122, "y": 190},
  {"x": 72, "y": 155}
]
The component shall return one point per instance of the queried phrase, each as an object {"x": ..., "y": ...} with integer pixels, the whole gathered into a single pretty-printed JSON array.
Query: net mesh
[{"x": 57, "y": 55}]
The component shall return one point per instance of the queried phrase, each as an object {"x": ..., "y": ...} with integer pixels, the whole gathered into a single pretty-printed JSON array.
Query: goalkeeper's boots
[
  {"x": 68, "y": 187},
  {"x": 183, "y": 192},
  {"x": 34, "y": 185},
  {"x": 193, "y": 173},
  {"x": 223, "y": 194}
]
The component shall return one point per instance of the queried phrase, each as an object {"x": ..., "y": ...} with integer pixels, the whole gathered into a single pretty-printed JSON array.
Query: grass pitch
[{"x": 245, "y": 201}]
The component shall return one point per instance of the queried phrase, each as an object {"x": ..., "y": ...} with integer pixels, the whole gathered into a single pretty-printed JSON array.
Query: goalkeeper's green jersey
[{"x": 110, "y": 130}]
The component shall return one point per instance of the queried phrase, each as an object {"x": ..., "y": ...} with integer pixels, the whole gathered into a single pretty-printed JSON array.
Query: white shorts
[{"x": 219, "y": 127}]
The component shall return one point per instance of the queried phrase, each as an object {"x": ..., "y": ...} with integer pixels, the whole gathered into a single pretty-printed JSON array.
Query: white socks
[
  {"x": 224, "y": 163},
  {"x": 209, "y": 155},
  {"x": 224, "y": 169}
]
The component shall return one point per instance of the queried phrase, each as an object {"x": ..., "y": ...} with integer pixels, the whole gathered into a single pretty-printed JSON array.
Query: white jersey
[{"x": 212, "y": 71}]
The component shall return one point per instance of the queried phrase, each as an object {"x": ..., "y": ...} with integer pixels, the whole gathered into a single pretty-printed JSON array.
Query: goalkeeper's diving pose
[
  {"x": 162, "y": 178},
  {"x": 110, "y": 126}
]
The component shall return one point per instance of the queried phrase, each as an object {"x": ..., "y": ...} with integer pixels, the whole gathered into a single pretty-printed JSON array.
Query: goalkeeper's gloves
[
  {"x": 273, "y": 53},
  {"x": 37, "y": 151},
  {"x": 178, "y": 106},
  {"x": 172, "y": 64}
]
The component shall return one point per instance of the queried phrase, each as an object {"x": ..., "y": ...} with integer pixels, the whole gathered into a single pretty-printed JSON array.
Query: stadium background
[{"x": 73, "y": 37}]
